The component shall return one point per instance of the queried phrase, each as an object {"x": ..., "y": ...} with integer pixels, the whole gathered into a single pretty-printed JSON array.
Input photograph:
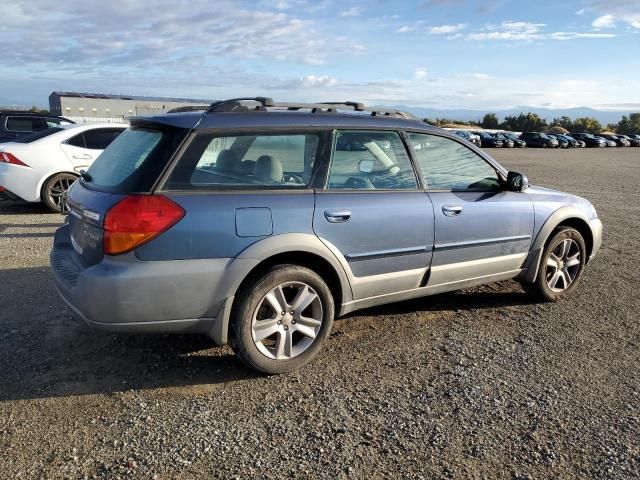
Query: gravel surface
[{"x": 481, "y": 383}]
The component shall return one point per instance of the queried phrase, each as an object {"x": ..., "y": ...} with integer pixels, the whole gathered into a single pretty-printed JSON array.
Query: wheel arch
[
  {"x": 563, "y": 217},
  {"x": 305, "y": 250},
  {"x": 46, "y": 178}
]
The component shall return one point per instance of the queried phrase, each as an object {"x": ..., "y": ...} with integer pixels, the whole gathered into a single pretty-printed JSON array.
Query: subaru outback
[{"x": 249, "y": 223}]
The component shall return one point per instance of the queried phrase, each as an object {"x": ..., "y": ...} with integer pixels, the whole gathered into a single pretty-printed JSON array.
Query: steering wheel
[{"x": 292, "y": 178}]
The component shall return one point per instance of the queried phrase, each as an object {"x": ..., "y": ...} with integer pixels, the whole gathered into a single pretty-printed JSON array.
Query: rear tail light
[
  {"x": 136, "y": 219},
  {"x": 6, "y": 157}
]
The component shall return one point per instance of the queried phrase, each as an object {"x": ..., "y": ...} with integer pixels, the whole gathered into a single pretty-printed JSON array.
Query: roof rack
[{"x": 261, "y": 104}]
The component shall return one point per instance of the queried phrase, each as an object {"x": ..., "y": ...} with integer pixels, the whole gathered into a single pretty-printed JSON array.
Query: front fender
[{"x": 532, "y": 263}]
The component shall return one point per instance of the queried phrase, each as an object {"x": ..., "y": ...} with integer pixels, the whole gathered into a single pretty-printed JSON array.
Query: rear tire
[
  {"x": 561, "y": 266},
  {"x": 54, "y": 190},
  {"x": 282, "y": 319}
]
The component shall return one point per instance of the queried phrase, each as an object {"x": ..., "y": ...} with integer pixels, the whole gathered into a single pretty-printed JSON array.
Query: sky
[{"x": 490, "y": 54}]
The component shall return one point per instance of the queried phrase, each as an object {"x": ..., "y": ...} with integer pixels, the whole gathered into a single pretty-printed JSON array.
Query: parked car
[
  {"x": 15, "y": 124},
  {"x": 489, "y": 141},
  {"x": 590, "y": 140},
  {"x": 541, "y": 140},
  {"x": 573, "y": 143},
  {"x": 517, "y": 141},
  {"x": 562, "y": 142},
  {"x": 619, "y": 140},
  {"x": 171, "y": 231},
  {"x": 608, "y": 142},
  {"x": 633, "y": 142},
  {"x": 40, "y": 167},
  {"x": 636, "y": 138},
  {"x": 506, "y": 141},
  {"x": 469, "y": 136}
]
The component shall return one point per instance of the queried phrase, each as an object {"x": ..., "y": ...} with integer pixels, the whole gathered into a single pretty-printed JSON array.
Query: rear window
[
  {"x": 269, "y": 161},
  {"x": 26, "y": 124},
  {"x": 133, "y": 161},
  {"x": 32, "y": 137}
]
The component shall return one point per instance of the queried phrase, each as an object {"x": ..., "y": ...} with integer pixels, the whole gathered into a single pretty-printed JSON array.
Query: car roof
[
  {"x": 283, "y": 119},
  {"x": 262, "y": 112}
]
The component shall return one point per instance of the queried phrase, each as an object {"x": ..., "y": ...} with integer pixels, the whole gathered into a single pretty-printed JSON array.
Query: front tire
[
  {"x": 54, "y": 190},
  {"x": 561, "y": 266},
  {"x": 282, "y": 319}
]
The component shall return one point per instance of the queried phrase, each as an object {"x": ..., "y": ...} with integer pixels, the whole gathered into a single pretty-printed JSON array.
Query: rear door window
[
  {"x": 370, "y": 160},
  {"x": 264, "y": 161}
]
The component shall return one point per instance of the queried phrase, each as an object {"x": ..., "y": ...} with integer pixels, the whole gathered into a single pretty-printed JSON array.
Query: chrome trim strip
[
  {"x": 478, "y": 243},
  {"x": 386, "y": 253},
  {"x": 479, "y": 262}
]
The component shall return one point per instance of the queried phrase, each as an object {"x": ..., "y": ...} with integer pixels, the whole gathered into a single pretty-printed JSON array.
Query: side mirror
[{"x": 517, "y": 182}]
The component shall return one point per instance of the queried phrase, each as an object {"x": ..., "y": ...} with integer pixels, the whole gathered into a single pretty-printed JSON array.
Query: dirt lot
[{"x": 476, "y": 384}]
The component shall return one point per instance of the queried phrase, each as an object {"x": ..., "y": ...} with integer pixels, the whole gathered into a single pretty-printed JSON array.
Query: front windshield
[{"x": 542, "y": 135}]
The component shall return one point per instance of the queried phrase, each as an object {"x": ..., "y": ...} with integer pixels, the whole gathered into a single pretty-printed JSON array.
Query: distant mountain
[{"x": 603, "y": 116}]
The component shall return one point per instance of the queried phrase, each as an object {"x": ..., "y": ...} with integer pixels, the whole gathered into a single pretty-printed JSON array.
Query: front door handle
[
  {"x": 451, "y": 210},
  {"x": 337, "y": 216},
  {"x": 82, "y": 156}
]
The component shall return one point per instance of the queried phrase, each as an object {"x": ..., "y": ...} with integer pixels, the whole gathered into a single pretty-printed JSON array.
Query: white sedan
[{"x": 42, "y": 166}]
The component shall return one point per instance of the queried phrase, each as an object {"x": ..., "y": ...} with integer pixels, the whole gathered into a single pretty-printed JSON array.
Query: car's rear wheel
[
  {"x": 282, "y": 319},
  {"x": 54, "y": 190},
  {"x": 561, "y": 266}
]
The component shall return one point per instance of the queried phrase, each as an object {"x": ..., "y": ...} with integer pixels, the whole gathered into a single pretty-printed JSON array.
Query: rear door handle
[
  {"x": 451, "y": 210},
  {"x": 83, "y": 156},
  {"x": 337, "y": 216}
]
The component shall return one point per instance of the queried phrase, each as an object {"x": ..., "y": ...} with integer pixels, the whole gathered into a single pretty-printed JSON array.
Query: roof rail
[{"x": 260, "y": 104}]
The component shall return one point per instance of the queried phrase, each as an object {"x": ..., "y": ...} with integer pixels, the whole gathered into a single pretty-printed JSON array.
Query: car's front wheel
[
  {"x": 281, "y": 319},
  {"x": 54, "y": 190},
  {"x": 561, "y": 266}
]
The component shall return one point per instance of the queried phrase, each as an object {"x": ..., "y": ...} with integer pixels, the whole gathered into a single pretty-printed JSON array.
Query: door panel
[
  {"x": 480, "y": 228},
  {"x": 373, "y": 216},
  {"x": 491, "y": 234}
]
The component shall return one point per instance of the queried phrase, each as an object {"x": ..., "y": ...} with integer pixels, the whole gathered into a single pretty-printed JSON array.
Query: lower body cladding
[{"x": 127, "y": 295}]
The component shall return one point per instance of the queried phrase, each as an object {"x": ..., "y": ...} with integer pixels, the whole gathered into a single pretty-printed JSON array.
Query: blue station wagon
[{"x": 253, "y": 223}]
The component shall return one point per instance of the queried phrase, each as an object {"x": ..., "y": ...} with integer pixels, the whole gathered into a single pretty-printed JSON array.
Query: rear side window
[
  {"x": 268, "y": 161},
  {"x": 26, "y": 124},
  {"x": 134, "y": 160}
]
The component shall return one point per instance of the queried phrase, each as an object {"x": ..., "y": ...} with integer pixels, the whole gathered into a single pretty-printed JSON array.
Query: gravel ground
[{"x": 481, "y": 383}]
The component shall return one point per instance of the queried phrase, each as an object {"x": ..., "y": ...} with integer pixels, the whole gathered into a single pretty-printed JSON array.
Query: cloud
[
  {"x": 624, "y": 11},
  {"x": 527, "y": 31},
  {"x": 420, "y": 73},
  {"x": 404, "y": 29},
  {"x": 122, "y": 33},
  {"x": 445, "y": 29},
  {"x": 318, "y": 81},
  {"x": 605, "y": 21},
  {"x": 480, "y": 76},
  {"x": 351, "y": 12}
]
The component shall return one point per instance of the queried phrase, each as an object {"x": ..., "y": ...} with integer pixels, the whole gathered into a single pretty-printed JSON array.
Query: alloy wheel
[
  {"x": 287, "y": 320},
  {"x": 57, "y": 189},
  {"x": 563, "y": 265}
]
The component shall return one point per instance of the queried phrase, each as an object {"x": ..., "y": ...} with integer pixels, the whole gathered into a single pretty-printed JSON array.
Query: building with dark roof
[{"x": 74, "y": 104}]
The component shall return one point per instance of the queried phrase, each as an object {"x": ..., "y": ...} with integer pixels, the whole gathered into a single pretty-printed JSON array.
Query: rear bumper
[
  {"x": 21, "y": 182},
  {"x": 124, "y": 294}
]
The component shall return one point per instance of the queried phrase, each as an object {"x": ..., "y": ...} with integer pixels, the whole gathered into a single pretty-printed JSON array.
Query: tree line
[{"x": 532, "y": 122}]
